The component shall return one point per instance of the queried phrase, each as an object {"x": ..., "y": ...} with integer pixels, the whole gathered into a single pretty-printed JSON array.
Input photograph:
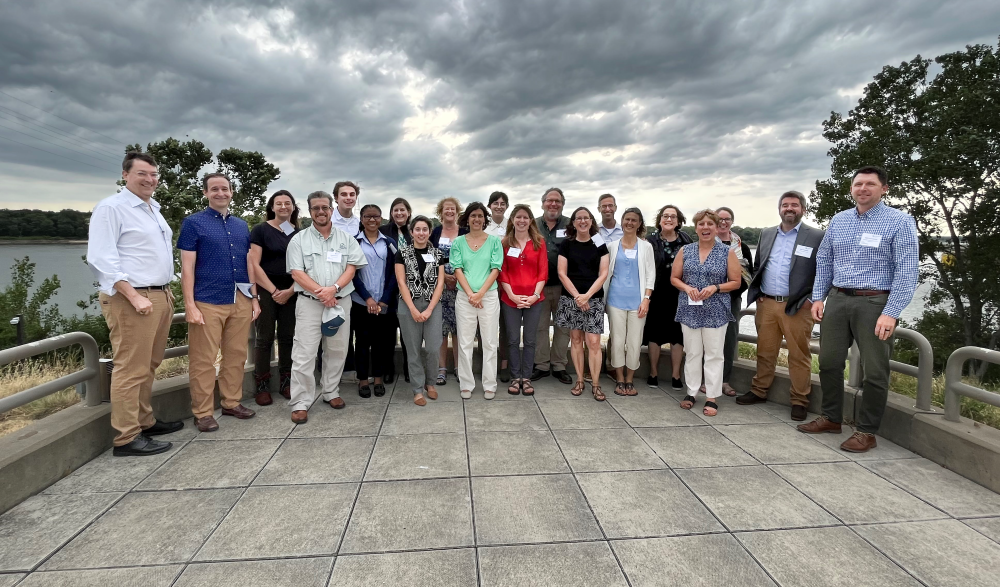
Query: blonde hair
[
  {"x": 533, "y": 233},
  {"x": 440, "y": 207},
  {"x": 710, "y": 214}
]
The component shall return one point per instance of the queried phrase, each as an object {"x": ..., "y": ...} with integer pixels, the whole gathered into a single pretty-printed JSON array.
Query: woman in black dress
[{"x": 660, "y": 325}]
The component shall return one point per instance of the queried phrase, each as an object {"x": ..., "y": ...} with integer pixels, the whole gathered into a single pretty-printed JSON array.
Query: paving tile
[
  {"x": 638, "y": 504},
  {"x": 885, "y": 449},
  {"x": 732, "y": 413},
  {"x": 779, "y": 443},
  {"x": 410, "y": 515},
  {"x": 990, "y": 527},
  {"x": 437, "y": 568},
  {"x": 694, "y": 446},
  {"x": 938, "y": 486},
  {"x": 10, "y": 580},
  {"x": 446, "y": 393},
  {"x": 753, "y": 498},
  {"x": 436, "y": 418},
  {"x": 856, "y": 495},
  {"x": 37, "y": 526},
  {"x": 273, "y": 421},
  {"x": 783, "y": 412},
  {"x": 822, "y": 557},
  {"x": 108, "y": 473},
  {"x": 648, "y": 410},
  {"x": 543, "y": 508},
  {"x": 418, "y": 456},
  {"x": 145, "y": 576},
  {"x": 579, "y": 564},
  {"x": 295, "y": 520},
  {"x": 607, "y": 449},
  {"x": 201, "y": 465},
  {"x": 317, "y": 460},
  {"x": 943, "y": 553},
  {"x": 302, "y": 572},
  {"x": 580, "y": 413},
  {"x": 503, "y": 416},
  {"x": 147, "y": 529},
  {"x": 354, "y": 420},
  {"x": 515, "y": 453},
  {"x": 715, "y": 560}
]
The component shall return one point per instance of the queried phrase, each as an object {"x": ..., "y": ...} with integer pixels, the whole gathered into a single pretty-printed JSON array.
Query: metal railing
[
  {"x": 923, "y": 372},
  {"x": 90, "y": 375},
  {"x": 954, "y": 388}
]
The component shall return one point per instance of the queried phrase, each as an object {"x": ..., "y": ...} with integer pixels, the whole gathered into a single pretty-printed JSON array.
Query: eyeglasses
[
  {"x": 725, "y": 220},
  {"x": 144, "y": 175},
  {"x": 669, "y": 217},
  {"x": 370, "y": 217},
  {"x": 320, "y": 209}
]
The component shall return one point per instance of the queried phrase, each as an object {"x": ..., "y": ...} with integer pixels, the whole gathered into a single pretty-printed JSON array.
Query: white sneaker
[
  {"x": 466, "y": 394},
  {"x": 488, "y": 394}
]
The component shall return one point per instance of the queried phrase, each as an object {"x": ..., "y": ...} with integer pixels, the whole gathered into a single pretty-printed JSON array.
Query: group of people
[{"x": 337, "y": 292}]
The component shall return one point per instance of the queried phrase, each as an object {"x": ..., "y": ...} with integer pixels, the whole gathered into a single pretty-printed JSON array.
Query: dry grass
[{"x": 26, "y": 374}]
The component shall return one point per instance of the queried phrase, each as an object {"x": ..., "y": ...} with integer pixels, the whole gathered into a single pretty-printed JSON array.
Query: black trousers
[
  {"x": 391, "y": 365},
  {"x": 374, "y": 342},
  {"x": 271, "y": 314}
]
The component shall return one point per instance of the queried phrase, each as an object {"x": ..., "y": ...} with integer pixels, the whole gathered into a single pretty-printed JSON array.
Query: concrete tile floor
[{"x": 563, "y": 491}]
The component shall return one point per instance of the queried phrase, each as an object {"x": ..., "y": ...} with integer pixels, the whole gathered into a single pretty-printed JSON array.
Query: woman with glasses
[
  {"x": 398, "y": 231},
  {"x": 420, "y": 276},
  {"x": 583, "y": 267},
  {"x": 268, "y": 241},
  {"x": 661, "y": 328},
  {"x": 374, "y": 298},
  {"x": 626, "y": 297},
  {"x": 477, "y": 258},
  {"x": 448, "y": 212},
  {"x": 704, "y": 273},
  {"x": 729, "y": 238}
]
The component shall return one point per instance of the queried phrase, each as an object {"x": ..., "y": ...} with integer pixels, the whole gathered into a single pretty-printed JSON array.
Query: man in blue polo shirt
[{"x": 220, "y": 301}]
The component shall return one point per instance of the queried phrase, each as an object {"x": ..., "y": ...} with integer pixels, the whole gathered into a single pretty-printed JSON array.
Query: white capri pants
[
  {"x": 488, "y": 319},
  {"x": 626, "y": 337},
  {"x": 708, "y": 343}
]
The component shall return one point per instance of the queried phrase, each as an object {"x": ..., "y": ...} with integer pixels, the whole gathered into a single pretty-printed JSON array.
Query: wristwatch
[
  {"x": 337, "y": 286},
  {"x": 645, "y": 297}
]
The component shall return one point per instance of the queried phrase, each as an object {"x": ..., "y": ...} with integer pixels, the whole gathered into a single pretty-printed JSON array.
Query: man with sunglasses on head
[{"x": 131, "y": 255}]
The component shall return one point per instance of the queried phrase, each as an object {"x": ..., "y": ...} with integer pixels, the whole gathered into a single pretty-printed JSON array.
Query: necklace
[{"x": 472, "y": 245}]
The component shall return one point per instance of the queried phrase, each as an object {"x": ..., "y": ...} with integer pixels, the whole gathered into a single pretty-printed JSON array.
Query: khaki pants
[
  {"x": 308, "y": 338},
  {"x": 773, "y": 325},
  {"x": 226, "y": 327},
  {"x": 626, "y": 337},
  {"x": 487, "y": 319},
  {"x": 704, "y": 343},
  {"x": 560, "y": 336},
  {"x": 137, "y": 343}
]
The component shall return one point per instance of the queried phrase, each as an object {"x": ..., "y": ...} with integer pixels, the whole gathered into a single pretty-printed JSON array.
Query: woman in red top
[{"x": 522, "y": 279}]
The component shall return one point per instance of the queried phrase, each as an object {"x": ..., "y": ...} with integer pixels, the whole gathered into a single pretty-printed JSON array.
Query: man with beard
[
  {"x": 552, "y": 225},
  {"x": 784, "y": 271}
]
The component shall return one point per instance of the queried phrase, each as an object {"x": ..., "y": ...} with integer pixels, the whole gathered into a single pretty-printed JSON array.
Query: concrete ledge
[{"x": 967, "y": 448}]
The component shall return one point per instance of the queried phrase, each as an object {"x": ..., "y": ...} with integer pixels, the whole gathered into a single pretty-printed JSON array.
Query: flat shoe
[
  {"x": 489, "y": 394},
  {"x": 419, "y": 400},
  {"x": 337, "y": 403},
  {"x": 300, "y": 416},
  {"x": 466, "y": 394},
  {"x": 432, "y": 394}
]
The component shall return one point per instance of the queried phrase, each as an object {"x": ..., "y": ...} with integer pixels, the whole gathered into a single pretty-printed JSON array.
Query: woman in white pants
[
  {"x": 704, "y": 273},
  {"x": 477, "y": 258},
  {"x": 626, "y": 297}
]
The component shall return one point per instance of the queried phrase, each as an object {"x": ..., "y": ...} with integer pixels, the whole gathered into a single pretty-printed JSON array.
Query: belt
[
  {"x": 776, "y": 298},
  {"x": 153, "y": 287},
  {"x": 861, "y": 292}
]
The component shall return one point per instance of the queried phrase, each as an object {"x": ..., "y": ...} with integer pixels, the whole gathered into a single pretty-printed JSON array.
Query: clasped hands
[
  {"x": 696, "y": 295},
  {"x": 375, "y": 307},
  {"x": 582, "y": 301},
  {"x": 523, "y": 302}
]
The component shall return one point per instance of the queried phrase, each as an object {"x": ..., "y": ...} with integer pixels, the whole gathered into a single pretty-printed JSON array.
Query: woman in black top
[
  {"x": 398, "y": 231},
  {"x": 727, "y": 237},
  {"x": 583, "y": 267},
  {"x": 661, "y": 328},
  {"x": 268, "y": 241}
]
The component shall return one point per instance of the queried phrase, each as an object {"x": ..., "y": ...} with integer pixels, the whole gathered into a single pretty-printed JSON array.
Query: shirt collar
[
  {"x": 135, "y": 200},
  {"x": 617, "y": 226},
  {"x": 316, "y": 233},
  {"x": 794, "y": 230},
  {"x": 361, "y": 236},
  {"x": 871, "y": 211},
  {"x": 213, "y": 212}
]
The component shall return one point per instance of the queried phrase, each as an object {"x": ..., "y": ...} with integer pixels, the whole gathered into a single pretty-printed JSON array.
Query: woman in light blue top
[{"x": 633, "y": 274}]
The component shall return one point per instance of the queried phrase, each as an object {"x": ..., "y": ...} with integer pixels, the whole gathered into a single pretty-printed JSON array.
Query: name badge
[
  {"x": 803, "y": 251},
  {"x": 334, "y": 256},
  {"x": 287, "y": 227},
  {"x": 444, "y": 241},
  {"x": 427, "y": 257},
  {"x": 392, "y": 248},
  {"x": 501, "y": 231},
  {"x": 695, "y": 302},
  {"x": 514, "y": 252},
  {"x": 631, "y": 253},
  {"x": 870, "y": 240},
  {"x": 561, "y": 233},
  {"x": 598, "y": 240}
]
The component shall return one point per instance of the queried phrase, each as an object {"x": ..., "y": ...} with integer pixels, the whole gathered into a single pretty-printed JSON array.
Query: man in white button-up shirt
[{"x": 130, "y": 252}]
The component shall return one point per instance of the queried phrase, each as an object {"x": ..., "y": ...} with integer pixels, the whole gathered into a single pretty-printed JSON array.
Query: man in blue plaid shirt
[{"x": 867, "y": 269}]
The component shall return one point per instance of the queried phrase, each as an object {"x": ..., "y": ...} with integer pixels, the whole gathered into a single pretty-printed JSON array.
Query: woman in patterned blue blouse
[{"x": 704, "y": 273}]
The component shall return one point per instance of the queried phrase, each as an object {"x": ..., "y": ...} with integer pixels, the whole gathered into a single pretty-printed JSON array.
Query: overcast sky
[{"x": 692, "y": 103}]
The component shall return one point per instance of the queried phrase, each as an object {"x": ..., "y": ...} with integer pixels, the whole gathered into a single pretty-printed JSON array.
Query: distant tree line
[
  {"x": 751, "y": 236},
  {"x": 69, "y": 224}
]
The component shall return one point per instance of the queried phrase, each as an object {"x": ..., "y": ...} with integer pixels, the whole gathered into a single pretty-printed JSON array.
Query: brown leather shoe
[
  {"x": 263, "y": 398},
  {"x": 206, "y": 424},
  {"x": 337, "y": 403},
  {"x": 859, "y": 442},
  {"x": 240, "y": 411},
  {"x": 819, "y": 426},
  {"x": 432, "y": 394},
  {"x": 749, "y": 398},
  {"x": 300, "y": 416},
  {"x": 798, "y": 412}
]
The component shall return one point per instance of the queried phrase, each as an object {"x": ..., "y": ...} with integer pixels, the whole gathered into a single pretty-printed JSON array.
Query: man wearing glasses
[
  {"x": 131, "y": 255},
  {"x": 322, "y": 260}
]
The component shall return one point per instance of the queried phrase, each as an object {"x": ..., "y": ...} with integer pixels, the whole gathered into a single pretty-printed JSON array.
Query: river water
[{"x": 77, "y": 281}]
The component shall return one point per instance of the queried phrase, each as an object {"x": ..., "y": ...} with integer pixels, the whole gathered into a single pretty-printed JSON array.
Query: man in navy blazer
[{"x": 784, "y": 271}]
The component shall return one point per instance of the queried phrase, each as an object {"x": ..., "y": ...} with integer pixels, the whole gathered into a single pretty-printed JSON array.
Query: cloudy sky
[{"x": 692, "y": 103}]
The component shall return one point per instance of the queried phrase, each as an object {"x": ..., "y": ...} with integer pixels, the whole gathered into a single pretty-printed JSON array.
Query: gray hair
[
  {"x": 794, "y": 194},
  {"x": 317, "y": 195}
]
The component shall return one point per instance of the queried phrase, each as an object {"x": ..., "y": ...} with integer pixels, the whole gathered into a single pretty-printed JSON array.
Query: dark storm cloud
[{"x": 712, "y": 99}]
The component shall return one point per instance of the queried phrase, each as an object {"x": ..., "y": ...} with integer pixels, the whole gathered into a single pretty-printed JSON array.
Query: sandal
[
  {"x": 598, "y": 394},
  {"x": 630, "y": 389},
  {"x": 526, "y": 388},
  {"x": 688, "y": 402},
  {"x": 578, "y": 388},
  {"x": 515, "y": 387},
  {"x": 728, "y": 390},
  {"x": 620, "y": 388},
  {"x": 442, "y": 376},
  {"x": 711, "y": 408}
]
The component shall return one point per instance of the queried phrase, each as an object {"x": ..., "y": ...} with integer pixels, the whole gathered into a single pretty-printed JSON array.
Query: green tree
[
  {"x": 939, "y": 139},
  {"x": 250, "y": 173},
  {"x": 40, "y": 319},
  {"x": 179, "y": 192}
]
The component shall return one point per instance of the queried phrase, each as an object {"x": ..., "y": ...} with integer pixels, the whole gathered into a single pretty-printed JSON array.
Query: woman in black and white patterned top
[{"x": 420, "y": 275}]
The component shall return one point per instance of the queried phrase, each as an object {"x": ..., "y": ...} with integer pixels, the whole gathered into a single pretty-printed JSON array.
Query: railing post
[{"x": 925, "y": 366}]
